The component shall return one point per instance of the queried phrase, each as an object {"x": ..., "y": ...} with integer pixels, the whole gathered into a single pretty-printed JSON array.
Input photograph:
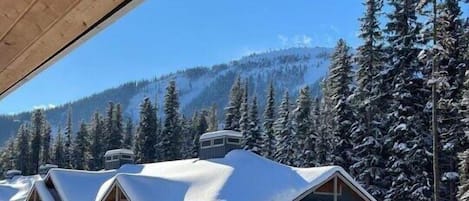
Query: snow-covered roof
[
  {"x": 240, "y": 175},
  {"x": 119, "y": 151},
  {"x": 17, "y": 188},
  {"x": 221, "y": 133},
  {"x": 9, "y": 172},
  {"x": 48, "y": 166}
]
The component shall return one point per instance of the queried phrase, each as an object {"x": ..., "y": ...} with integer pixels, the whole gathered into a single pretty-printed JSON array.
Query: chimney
[{"x": 217, "y": 144}]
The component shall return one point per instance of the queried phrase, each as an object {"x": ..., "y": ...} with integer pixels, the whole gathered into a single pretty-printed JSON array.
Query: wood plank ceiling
[{"x": 35, "y": 33}]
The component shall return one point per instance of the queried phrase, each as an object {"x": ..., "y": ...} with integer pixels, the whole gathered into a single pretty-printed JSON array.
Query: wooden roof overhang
[{"x": 36, "y": 33}]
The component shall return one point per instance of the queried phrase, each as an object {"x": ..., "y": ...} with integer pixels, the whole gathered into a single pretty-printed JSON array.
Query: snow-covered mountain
[{"x": 199, "y": 87}]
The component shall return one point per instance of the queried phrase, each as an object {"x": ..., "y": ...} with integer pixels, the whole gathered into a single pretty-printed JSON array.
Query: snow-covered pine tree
[
  {"x": 339, "y": 81},
  {"x": 187, "y": 136},
  {"x": 59, "y": 149},
  {"x": 115, "y": 136},
  {"x": 302, "y": 125},
  {"x": 128, "y": 134},
  {"x": 233, "y": 114},
  {"x": 244, "y": 118},
  {"x": 81, "y": 148},
  {"x": 7, "y": 155},
  {"x": 22, "y": 150},
  {"x": 269, "y": 119},
  {"x": 322, "y": 140},
  {"x": 408, "y": 140},
  {"x": 253, "y": 139},
  {"x": 212, "y": 119},
  {"x": 284, "y": 133},
  {"x": 463, "y": 189},
  {"x": 37, "y": 128},
  {"x": 97, "y": 140},
  {"x": 200, "y": 127},
  {"x": 46, "y": 142},
  {"x": 367, "y": 134},
  {"x": 68, "y": 141},
  {"x": 146, "y": 138},
  {"x": 171, "y": 140},
  {"x": 449, "y": 59}
]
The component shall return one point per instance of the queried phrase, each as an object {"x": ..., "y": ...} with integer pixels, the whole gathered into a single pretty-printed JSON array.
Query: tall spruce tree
[
  {"x": 212, "y": 119},
  {"x": 449, "y": 58},
  {"x": 46, "y": 142},
  {"x": 408, "y": 141},
  {"x": 171, "y": 140},
  {"x": 128, "y": 134},
  {"x": 115, "y": 127},
  {"x": 200, "y": 127},
  {"x": 233, "y": 114},
  {"x": 97, "y": 141},
  {"x": 37, "y": 128},
  {"x": 146, "y": 138},
  {"x": 367, "y": 134},
  {"x": 284, "y": 134},
  {"x": 22, "y": 152},
  {"x": 81, "y": 148},
  {"x": 301, "y": 123},
  {"x": 244, "y": 118},
  {"x": 339, "y": 81},
  {"x": 59, "y": 149},
  {"x": 463, "y": 188},
  {"x": 253, "y": 138},
  {"x": 68, "y": 141},
  {"x": 322, "y": 140},
  {"x": 269, "y": 119}
]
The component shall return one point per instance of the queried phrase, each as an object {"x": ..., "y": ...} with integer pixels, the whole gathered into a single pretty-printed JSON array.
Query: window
[
  {"x": 115, "y": 157},
  {"x": 206, "y": 143},
  {"x": 126, "y": 157},
  {"x": 218, "y": 141},
  {"x": 108, "y": 158},
  {"x": 233, "y": 141}
]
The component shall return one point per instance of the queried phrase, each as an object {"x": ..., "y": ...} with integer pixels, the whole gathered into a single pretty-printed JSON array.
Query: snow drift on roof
[
  {"x": 17, "y": 188},
  {"x": 118, "y": 151},
  {"x": 221, "y": 133}
]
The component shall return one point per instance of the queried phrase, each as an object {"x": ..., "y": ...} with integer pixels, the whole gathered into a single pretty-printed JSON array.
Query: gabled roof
[
  {"x": 17, "y": 188},
  {"x": 240, "y": 175}
]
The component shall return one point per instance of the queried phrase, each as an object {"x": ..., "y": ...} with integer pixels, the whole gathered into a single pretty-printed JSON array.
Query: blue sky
[{"x": 162, "y": 36}]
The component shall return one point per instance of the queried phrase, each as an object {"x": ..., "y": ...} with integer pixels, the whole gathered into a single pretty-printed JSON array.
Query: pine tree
[
  {"x": 200, "y": 128},
  {"x": 449, "y": 59},
  {"x": 7, "y": 156},
  {"x": 253, "y": 139},
  {"x": 285, "y": 136},
  {"x": 339, "y": 82},
  {"x": 322, "y": 140},
  {"x": 68, "y": 141},
  {"x": 128, "y": 134},
  {"x": 171, "y": 140},
  {"x": 81, "y": 148},
  {"x": 22, "y": 150},
  {"x": 464, "y": 156},
  {"x": 408, "y": 141},
  {"x": 212, "y": 119},
  {"x": 97, "y": 141},
  {"x": 37, "y": 128},
  {"x": 46, "y": 141},
  {"x": 463, "y": 176},
  {"x": 301, "y": 123},
  {"x": 367, "y": 134},
  {"x": 233, "y": 114},
  {"x": 244, "y": 119},
  {"x": 59, "y": 150},
  {"x": 114, "y": 126},
  {"x": 187, "y": 134},
  {"x": 269, "y": 119},
  {"x": 146, "y": 137}
]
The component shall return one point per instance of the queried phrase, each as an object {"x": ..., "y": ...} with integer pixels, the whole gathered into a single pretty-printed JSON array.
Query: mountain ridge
[{"x": 198, "y": 87}]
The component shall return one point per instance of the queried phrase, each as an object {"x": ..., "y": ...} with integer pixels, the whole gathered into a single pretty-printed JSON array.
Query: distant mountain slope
[{"x": 198, "y": 87}]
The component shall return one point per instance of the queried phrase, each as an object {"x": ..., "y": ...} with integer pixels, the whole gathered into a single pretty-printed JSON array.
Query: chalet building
[{"x": 224, "y": 173}]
